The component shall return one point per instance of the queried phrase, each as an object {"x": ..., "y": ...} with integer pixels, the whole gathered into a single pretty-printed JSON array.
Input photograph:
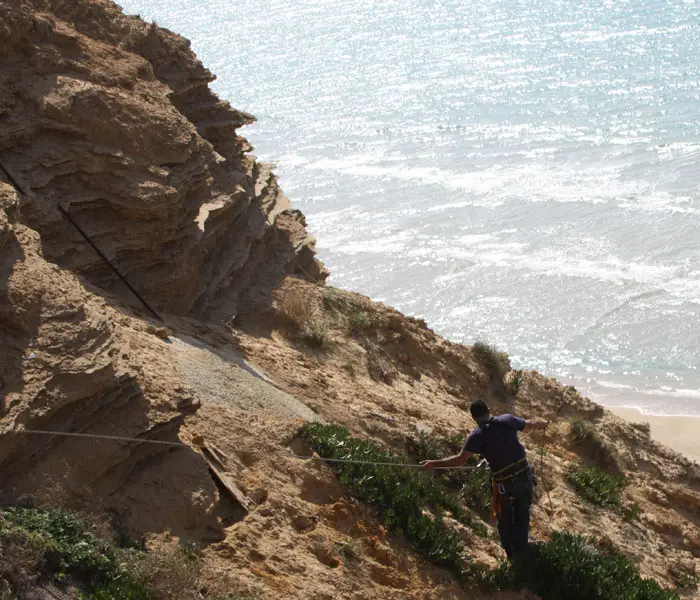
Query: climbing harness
[{"x": 498, "y": 484}]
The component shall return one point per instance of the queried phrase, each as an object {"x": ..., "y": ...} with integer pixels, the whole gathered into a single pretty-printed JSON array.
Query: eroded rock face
[{"x": 113, "y": 118}]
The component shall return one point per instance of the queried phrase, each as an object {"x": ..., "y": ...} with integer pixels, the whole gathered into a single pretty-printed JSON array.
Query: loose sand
[{"x": 680, "y": 433}]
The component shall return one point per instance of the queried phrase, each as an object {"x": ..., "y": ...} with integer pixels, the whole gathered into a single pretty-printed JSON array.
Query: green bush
[
  {"x": 581, "y": 430},
  {"x": 399, "y": 494},
  {"x": 68, "y": 549},
  {"x": 332, "y": 300},
  {"x": 476, "y": 491},
  {"x": 596, "y": 486},
  {"x": 473, "y": 486},
  {"x": 514, "y": 382},
  {"x": 569, "y": 566}
]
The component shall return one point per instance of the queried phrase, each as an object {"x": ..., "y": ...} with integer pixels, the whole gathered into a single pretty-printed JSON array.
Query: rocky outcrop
[
  {"x": 70, "y": 362},
  {"x": 113, "y": 118}
]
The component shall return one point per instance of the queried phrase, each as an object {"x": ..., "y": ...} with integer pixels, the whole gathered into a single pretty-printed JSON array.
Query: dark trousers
[{"x": 514, "y": 522}]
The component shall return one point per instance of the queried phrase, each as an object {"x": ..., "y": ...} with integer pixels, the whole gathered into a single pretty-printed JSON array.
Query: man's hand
[
  {"x": 427, "y": 465},
  {"x": 537, "y": 424}
]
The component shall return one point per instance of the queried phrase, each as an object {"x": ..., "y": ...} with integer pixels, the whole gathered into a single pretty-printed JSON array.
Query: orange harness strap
[{"x": 495, "y": 502}]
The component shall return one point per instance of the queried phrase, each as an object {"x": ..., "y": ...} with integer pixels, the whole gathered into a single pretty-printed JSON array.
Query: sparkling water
[{"x": 520, "y": 172}]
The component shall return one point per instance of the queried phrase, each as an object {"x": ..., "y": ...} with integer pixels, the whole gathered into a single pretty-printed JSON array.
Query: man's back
[{"x": 497, "y": 440}]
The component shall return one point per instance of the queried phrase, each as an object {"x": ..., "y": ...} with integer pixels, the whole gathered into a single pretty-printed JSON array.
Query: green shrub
[
  {"x": 332, "y": 300},
  {"x": 68, "y": 549},
  {"x": 350, "y": 550},
  {"x": 581, "y": 430},
  {"x": 399, "y": 494},
  {"x": 569, "y": 566},
  {"x": 596, "y": 486},
  {"x": 476, "y": 491},
  {"x": 631, "y": 512},
  {"x": 473, "y": 486}
]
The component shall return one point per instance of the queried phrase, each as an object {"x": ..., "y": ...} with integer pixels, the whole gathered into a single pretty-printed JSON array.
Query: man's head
[{"x": 479, "y": 410}]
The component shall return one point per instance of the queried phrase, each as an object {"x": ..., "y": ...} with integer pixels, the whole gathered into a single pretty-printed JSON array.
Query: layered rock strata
[{"x": 113, "y": 118}]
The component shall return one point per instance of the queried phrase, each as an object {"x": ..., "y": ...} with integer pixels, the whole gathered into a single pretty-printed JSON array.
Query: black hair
[{"x": 478, "y": 409}]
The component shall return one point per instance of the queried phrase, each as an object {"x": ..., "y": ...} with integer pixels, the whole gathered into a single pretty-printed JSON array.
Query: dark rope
[
  {"x": 12, "y": 180},
  {"x": 64, "y": 212},
  {"x": 67, "y": 215}
]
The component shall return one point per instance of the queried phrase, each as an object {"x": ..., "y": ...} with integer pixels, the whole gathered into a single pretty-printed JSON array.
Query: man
[{"x": 496, "y": 438}]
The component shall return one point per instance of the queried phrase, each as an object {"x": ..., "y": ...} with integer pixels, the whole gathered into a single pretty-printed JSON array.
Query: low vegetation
[
  {"x": 401, "y": 495},
  {"x": 473, "y": 486},
  {"x": 685, "y": 577},
  {"x": 568, "y": 566},
  {"x": 359, "y": 320},
  {"x": 494, "y": 361},
  {"x": 600, "y": 488},
  {"x": 59, "y": 545},
  {"x": 55, "y": 546},
  {"x": 295, "y": 308},
  {"x": 301, "y": 315},
  {"x": 514, "y": 381},
  {"x": 496, "y": 364},
  {"x": 316, "y": 335}
]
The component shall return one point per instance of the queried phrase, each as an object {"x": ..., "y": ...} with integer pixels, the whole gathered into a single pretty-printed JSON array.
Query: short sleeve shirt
[{"x": 498, "y": 441}]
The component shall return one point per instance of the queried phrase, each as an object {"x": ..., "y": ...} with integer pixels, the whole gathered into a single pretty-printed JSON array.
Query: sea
[{"x": 520, "y": 172}]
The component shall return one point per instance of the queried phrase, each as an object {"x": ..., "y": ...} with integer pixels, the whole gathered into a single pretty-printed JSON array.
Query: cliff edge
[{"x": 196, "y": 413}]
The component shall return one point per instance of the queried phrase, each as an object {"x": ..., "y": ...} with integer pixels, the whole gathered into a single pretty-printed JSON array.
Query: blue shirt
[{"x": 498, "y": 441}]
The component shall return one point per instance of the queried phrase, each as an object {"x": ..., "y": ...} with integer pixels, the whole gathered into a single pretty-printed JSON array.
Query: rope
[
  {"x": 544, "y": 483},
  {"x": 183, "y": 444},
  {"x": 108, "y": 262}
]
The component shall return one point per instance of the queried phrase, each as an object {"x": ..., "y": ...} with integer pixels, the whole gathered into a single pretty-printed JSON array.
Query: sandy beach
[{"x": 680, "y": 433}]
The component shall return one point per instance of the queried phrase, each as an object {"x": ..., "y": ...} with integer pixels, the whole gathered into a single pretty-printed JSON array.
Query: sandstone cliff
[{"x": 113, "y": 118}]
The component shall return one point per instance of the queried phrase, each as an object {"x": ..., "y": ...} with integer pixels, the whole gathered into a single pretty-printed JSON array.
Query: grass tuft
[
  {"x": 685, "y": 577},
  {"x": 316, "y": 335},
  {"x": 495, "y": 363},
  {"x": 359, "y": 321}
]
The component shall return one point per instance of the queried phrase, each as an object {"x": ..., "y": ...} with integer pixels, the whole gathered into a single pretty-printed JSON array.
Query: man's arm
[
  {"x": 451, "y": 461},
  {"x": 535, "y": 424}
]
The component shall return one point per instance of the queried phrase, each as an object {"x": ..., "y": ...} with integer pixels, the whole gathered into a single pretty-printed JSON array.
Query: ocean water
[{"x": 520, "y": 172}]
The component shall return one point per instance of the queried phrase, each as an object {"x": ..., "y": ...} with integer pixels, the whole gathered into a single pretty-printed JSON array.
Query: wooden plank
[{"x": 227, "y": 484}]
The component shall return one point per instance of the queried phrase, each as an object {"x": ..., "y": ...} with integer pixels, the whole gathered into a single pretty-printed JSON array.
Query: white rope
[{"x": 183, "y": 444}]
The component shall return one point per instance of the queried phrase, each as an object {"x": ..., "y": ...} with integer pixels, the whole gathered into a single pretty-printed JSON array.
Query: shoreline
[{"x": 679, "y": 433}]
